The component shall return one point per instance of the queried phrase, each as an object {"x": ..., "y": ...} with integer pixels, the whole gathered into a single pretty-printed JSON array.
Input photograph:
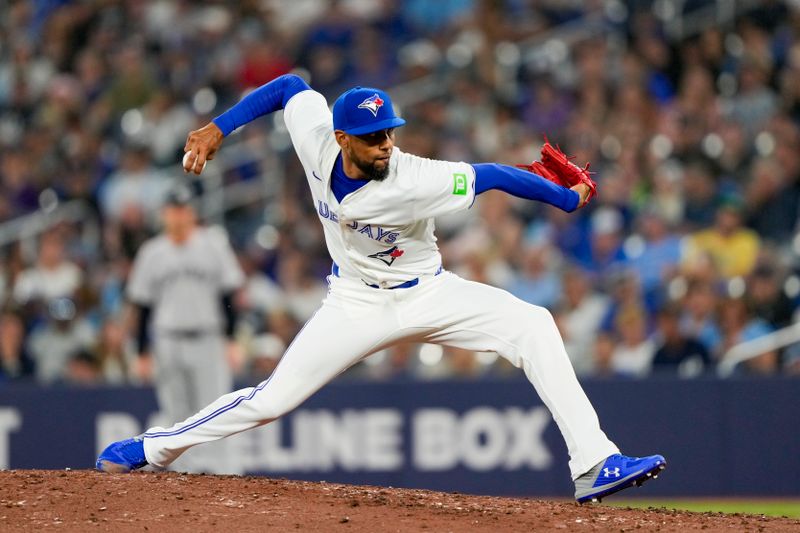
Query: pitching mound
[{"x": 37, "y": 500}]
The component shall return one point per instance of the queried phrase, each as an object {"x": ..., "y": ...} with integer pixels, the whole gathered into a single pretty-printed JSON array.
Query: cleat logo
[{"x": 609, "y": 472}]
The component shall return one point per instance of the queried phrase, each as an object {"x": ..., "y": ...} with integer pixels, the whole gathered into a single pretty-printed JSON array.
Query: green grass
[{"x": 790, "y": 508}]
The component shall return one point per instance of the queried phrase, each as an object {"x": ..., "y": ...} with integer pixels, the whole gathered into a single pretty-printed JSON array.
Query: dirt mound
[{"x": 36, "y": 500}]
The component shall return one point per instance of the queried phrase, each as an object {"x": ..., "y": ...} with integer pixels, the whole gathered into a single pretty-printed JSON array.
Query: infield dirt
[{"x": 72, "y": 501}]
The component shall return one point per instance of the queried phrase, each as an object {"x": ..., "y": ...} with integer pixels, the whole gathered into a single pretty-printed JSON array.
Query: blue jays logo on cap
[
  {"x": 373, "y": 103},
  {"x": 349, "y": 115}
]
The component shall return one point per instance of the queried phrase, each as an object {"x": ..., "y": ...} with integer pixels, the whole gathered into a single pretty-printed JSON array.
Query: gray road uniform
[{"x": 185, "y": 285}]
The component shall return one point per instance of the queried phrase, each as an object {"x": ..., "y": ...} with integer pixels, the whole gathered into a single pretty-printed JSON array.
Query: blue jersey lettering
[
  {"x": 367, "y": 230},
  {"x": 383, "y": 235},
  {"x": 324, "y": 210}
]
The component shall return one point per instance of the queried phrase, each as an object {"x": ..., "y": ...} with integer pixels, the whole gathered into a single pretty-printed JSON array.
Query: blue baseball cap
[{"x": 364, "y": 110}]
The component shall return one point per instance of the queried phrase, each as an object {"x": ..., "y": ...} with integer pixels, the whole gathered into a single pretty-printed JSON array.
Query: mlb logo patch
[{"x": 373, "y": 103}]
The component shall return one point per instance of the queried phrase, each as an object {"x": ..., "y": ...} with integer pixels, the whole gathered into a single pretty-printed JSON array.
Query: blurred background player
[{"x": 182, "y": 284}]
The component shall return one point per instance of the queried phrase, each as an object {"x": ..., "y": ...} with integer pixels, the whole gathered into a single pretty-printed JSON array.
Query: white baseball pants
[{"x": 356, "y": 320}]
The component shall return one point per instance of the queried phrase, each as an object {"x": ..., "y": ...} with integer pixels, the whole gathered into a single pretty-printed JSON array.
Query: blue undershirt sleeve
[
  {"x": 523, "y": 184},
  {"x": 266, "y": 99}
]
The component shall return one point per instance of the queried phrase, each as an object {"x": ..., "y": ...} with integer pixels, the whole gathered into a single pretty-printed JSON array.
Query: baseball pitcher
[{"x": 377, "y": 206}]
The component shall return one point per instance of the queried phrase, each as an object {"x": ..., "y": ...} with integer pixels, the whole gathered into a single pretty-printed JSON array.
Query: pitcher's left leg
[{"x": 478, "y": 317}]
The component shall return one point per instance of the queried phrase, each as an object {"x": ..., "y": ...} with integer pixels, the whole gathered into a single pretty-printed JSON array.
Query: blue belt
[{"x": 405, "y": 285}]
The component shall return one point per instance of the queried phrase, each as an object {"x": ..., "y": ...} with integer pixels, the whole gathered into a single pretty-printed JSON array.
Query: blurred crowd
[{"x": 691, "y": 247}]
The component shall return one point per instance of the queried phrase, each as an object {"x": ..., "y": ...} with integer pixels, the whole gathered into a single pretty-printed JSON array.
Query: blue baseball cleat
[
  {"x": 122, "y": 456},
  {"x": 616, "y": 473}
]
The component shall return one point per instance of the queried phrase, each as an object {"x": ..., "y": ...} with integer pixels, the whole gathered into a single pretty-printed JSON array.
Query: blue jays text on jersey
[{"x": 372, "y": 231}]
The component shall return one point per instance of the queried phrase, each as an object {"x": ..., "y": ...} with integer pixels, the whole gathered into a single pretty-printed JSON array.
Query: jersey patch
[
  {"x": 388, "y": 256},
  {"x": 373, "y": 103},
  {"x": 460, "y": 184}
]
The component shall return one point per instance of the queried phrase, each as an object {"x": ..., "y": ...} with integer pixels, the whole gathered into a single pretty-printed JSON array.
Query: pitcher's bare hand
[{"x": 201, "y": 145}]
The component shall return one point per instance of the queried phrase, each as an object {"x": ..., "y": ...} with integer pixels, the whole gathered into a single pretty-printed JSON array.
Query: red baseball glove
[{"x": 557, "y": 167}]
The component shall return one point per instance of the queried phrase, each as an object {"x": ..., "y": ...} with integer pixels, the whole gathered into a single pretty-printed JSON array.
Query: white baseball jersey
[
  {"x": 383, "y": 232},
  {"x": 184, "y": 282}
]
